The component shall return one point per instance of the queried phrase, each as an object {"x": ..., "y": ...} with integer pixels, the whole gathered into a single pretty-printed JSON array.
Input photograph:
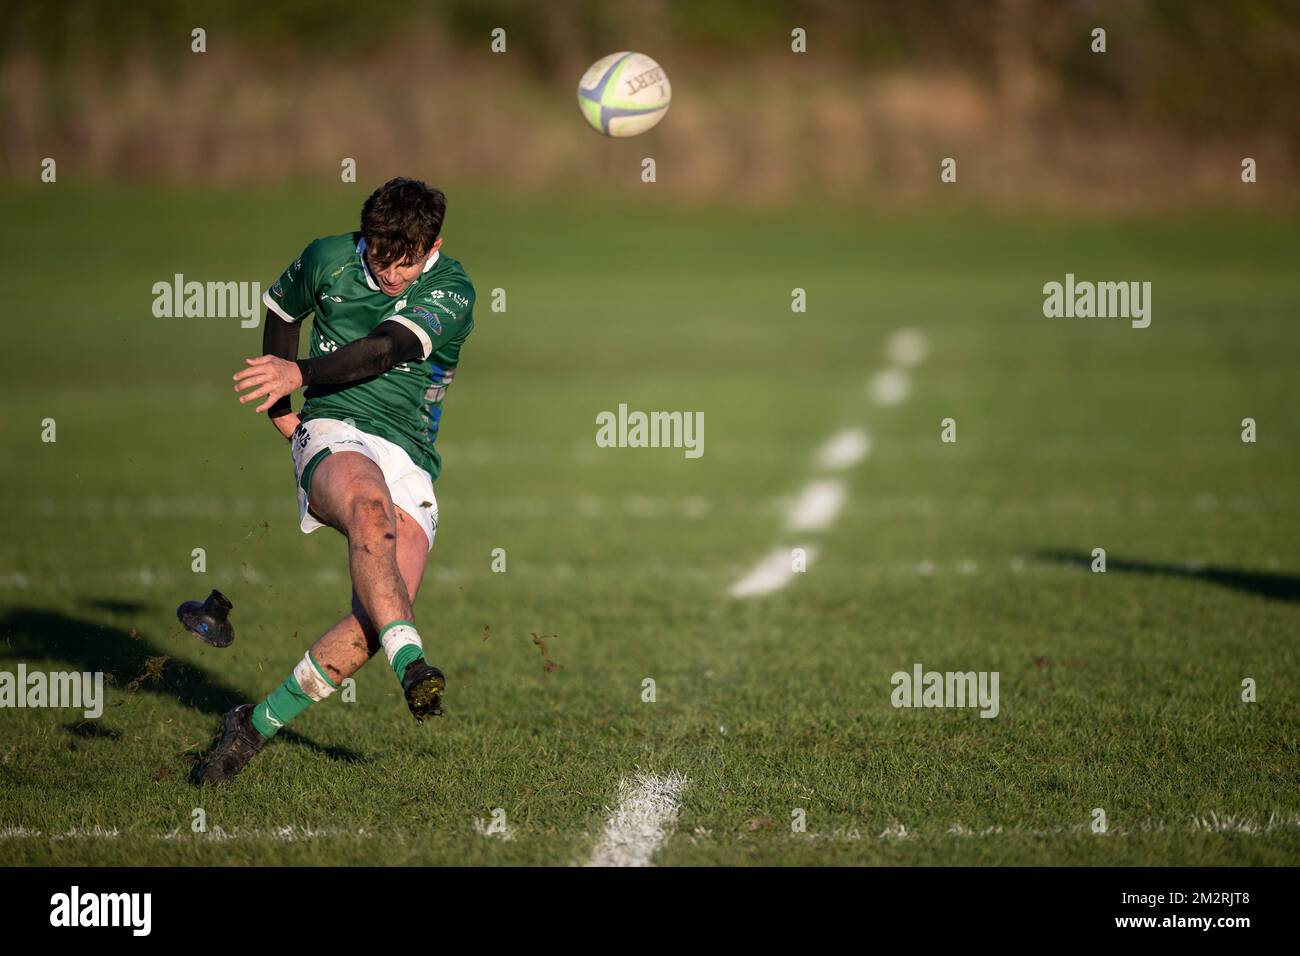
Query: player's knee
[{"x": 372, "y": 515}]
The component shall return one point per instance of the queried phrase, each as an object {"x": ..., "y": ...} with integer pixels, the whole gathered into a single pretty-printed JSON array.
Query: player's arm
[
  {"x": 273, "y": 378},
  {"x": 387, "y": 346},
  {"x": 288, "y": 303},
  {"x": 280, "y": 339}
]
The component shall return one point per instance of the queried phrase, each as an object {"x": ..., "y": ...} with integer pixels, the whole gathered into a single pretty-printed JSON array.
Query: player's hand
[
  {"x": 269, "y": 378},
  {"x": 287, "y": 424}
]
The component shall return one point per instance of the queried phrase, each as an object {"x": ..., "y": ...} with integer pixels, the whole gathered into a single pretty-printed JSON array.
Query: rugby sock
[
  {"x": 402, "y": 645},
  {"x": 307, "y": 684}
]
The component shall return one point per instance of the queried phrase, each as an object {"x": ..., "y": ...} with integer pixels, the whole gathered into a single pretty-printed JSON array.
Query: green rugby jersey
[{"x": 404, "y": 405}]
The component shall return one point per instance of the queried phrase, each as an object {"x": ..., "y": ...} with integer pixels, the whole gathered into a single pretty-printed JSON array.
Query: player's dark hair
[{"x": 401, "y": 220}]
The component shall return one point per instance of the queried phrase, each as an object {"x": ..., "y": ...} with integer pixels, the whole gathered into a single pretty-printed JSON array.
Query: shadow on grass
[
  {"x": 1276, "y": 587},
  {"x": 137, "y": 666},
  {"x": 115, "y": 606},
  {"x": 92, "y": 730}
]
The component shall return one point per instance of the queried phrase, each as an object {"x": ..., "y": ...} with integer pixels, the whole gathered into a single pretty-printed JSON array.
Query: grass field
[{"x": 1119, "y": 691}]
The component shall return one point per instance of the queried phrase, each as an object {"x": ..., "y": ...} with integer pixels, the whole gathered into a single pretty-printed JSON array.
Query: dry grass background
[{"x": 1032, "y": 117}]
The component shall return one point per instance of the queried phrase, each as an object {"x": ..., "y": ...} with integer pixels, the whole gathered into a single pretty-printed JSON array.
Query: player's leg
[
  {"x": 338, "y": 654},
  {"x": 354, "y": 639},
  {"x": 351, "y": 642},
  {"x": 350, "y": 492},
  {"x": 346, "y": 646}
]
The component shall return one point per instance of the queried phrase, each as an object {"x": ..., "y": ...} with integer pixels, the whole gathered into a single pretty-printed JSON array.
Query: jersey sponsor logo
[
  {"x": 324, "y": 297},
  {"x": 277, "y": 290},
  {"x": 428, "y": 318},
  {"x": 438, "y": 294}
]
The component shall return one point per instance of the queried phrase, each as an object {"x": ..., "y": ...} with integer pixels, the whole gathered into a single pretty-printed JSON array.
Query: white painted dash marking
[
  {"x": 817, "y": 506},
  {"x": 772, "y": 573},
  {"x": 907, "y": 347},
  {"x": 890, "y": 386},
  {"x": 844, "y": 449},
  {"x": 645, "y": 816}
]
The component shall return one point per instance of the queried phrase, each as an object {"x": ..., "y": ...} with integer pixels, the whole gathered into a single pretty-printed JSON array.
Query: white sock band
[
  {"x": 312, "y": 679},
  {"x": 397, "y": 637}
]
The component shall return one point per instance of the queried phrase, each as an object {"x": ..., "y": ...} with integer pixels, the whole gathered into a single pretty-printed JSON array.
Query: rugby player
[{"x": 392, "y": 313}]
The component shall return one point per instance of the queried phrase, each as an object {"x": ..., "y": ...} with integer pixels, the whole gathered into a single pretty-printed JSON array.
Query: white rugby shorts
[{"x": 409, "y": 485}]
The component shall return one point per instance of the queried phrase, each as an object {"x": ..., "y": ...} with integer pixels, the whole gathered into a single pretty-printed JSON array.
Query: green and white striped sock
[
  {"x": 305, "y": 686},
  {"x": 402, "y": 644}
]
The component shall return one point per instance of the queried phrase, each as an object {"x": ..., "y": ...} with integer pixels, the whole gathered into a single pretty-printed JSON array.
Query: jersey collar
[{"x": 365, "y": 266}]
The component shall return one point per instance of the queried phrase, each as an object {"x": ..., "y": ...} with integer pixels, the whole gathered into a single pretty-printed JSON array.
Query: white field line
[
  {"x": 637, "y": 827},
  {"x": 907, "y": 348},
  {"x": 694, "y": 507},
  {"x": 88, "y": 833},
  {"x": 772, "y": 573},
  {"x": 820, "y": 502},
  {"x": 817, "y": 506},
  {"x": 771, "y": 565},
  {"x": 890, "y": 386},
  {"x": 1231, "y": 823},
  {"x": 1203, "y": 823},
  {"x": 844, "y": 449},
  {"x": 216, "y": 834},
  {"x": 486, "y": 828},
  {"x": 840, "y": 452},
  {"x": 286, "y": 834},
  {"x": 1199, "y": 824}
]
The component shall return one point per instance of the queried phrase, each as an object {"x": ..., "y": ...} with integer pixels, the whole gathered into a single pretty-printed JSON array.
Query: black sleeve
[
  {"x": 390, "y": 344},
  {"x": 280, "y": 338}
]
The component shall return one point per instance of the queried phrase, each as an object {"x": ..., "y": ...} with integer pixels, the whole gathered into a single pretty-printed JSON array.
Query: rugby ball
[{"x": 624, "y": 94}]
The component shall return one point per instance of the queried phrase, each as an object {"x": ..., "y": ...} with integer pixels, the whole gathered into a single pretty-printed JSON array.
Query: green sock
[
  {"x": 404, "y": 657},
  {"x": 401, "y": 643},
  {"x": 307, "y": 684}
]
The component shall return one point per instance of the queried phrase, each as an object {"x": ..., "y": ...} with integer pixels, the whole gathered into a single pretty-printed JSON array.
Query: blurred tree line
[
  {"x": 1187, "y": 62},
  {"x": 1185, "y": 88}
]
